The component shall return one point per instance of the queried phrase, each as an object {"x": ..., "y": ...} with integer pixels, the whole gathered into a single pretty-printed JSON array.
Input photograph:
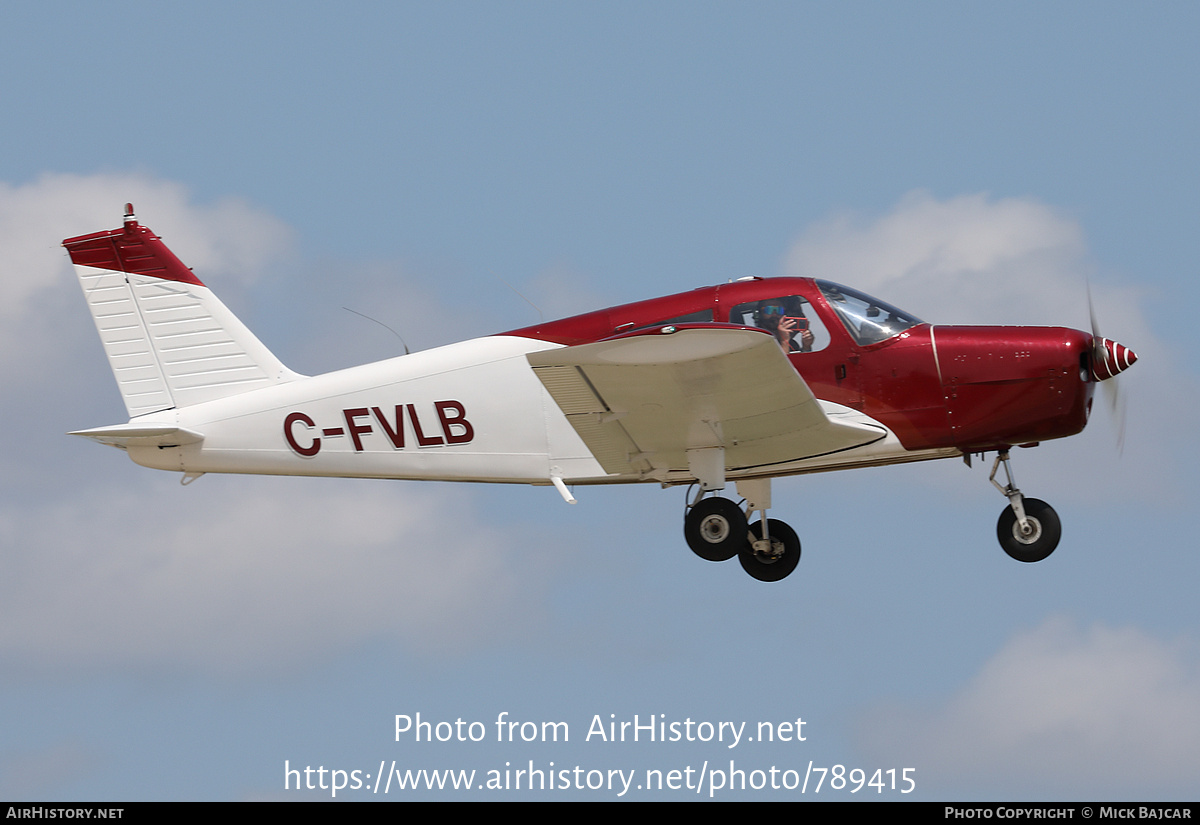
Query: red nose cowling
[{"x": 1110, "y": 358}]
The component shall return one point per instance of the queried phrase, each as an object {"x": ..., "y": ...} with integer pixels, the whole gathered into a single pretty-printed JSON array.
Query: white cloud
[
  {"x": 252, "y": 573},
  {"x": 1065, "y": 712},
  {"x": 966, "y": 260},
  {"x": 228, "y": 236}
]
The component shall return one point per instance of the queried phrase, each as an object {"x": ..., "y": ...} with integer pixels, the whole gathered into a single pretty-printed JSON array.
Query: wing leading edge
[{"x": 641, "y": 401}]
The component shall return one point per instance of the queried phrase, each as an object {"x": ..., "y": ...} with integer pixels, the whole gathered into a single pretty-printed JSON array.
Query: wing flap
[{"x": 606, "y": 440}]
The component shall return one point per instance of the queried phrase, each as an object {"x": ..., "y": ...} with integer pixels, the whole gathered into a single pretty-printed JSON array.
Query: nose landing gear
[{"x": 1028, "y": 529}]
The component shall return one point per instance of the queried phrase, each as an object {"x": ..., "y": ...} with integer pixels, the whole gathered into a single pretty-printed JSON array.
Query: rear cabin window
[{"x": 704, "y": 316}]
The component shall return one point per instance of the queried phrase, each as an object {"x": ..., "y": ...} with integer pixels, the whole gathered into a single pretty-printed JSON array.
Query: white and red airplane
[{"x": 741, "y": 382}]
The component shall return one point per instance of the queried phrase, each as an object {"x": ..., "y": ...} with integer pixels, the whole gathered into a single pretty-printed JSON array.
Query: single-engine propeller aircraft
[{"x": 742, "y": 382}]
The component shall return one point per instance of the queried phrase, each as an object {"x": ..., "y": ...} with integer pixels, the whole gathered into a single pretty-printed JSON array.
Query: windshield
[{"x": 867, "y": 319}]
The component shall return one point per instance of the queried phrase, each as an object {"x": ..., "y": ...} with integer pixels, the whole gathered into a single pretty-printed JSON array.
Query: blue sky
[{"x": 970, "y": 163}]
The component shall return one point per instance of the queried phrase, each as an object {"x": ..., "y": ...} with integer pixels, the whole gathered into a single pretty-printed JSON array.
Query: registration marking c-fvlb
[{"x": 298, "y": 427}]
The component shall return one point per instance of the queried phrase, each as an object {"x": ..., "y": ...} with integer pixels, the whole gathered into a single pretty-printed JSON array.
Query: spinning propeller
[{"x": 1108, "y": 360}]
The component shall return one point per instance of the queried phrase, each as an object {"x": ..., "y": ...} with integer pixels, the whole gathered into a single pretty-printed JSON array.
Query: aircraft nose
[{"x": 1110, "y": 358}]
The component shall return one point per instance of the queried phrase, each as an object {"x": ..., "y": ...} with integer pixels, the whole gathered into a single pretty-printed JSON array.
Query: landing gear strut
[
  {"x": 716, "y": 529},
  {"x": 1028, "y": 528}
]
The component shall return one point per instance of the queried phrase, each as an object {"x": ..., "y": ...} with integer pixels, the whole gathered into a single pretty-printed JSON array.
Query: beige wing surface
[{"x": 642, "y": 400}]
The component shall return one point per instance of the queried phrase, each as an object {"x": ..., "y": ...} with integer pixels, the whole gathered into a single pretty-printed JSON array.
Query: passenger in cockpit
[{"x": 784, "y": 318}]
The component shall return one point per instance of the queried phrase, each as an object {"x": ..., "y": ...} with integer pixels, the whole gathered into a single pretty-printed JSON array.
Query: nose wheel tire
[
  {"x": 715, "y": 529},
  {"x": 779, "y": 561},
  {"x": 1038, "y": 540}
]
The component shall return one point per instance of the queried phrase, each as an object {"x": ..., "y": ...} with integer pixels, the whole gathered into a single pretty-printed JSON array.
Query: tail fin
[{"x": 170, "y": 341}]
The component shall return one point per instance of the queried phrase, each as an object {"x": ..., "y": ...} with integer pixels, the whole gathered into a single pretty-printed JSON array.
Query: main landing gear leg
[
  {"x": 772, "y": 549},
  {"x": 1028, "y": 529},
  {"x": 716, "y": 529}
]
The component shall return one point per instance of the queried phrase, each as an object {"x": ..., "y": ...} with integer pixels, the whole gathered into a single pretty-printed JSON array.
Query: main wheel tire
[
  {"x": 715, "y": 529},
  {"x": 1043, "y": 536},
  {"x": 785, "y": 545}
]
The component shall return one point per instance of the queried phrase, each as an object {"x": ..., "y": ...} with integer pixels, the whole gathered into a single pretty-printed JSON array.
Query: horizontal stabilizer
[{"x": 134, "y": 435}]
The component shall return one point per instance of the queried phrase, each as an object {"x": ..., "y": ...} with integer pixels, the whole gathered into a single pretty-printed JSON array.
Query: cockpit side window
[
  {"x": 867, "y": 319},
  {"x": 790, "y": 318}
]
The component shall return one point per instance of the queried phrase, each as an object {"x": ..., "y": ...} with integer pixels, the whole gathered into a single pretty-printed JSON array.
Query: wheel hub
[
  {"x": 714, "y": 529},
  {"x": 1031, "y": 533},
  {"x": 768, "y": 551}
]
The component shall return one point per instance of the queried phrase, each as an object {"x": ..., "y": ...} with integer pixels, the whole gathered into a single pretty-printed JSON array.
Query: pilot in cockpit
[{"x": 784, "y": 318}]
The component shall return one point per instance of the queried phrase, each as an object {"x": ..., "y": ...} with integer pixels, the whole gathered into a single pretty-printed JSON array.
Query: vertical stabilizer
[{"x": 169, "y": 339}]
